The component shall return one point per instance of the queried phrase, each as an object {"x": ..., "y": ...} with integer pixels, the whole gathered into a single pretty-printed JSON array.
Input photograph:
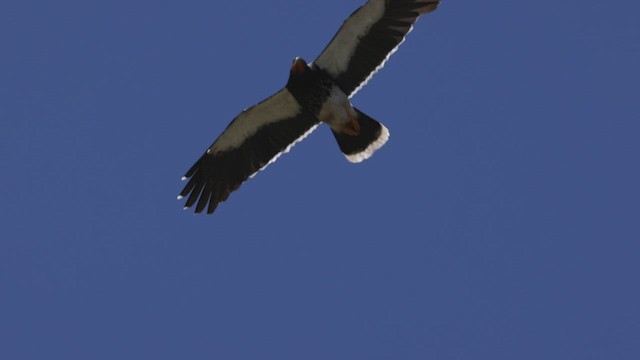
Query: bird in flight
[{"x": 315, "y": 93}]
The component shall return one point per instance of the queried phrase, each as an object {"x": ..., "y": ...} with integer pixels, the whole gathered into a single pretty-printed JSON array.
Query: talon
[{"x": 352, "y": 128}]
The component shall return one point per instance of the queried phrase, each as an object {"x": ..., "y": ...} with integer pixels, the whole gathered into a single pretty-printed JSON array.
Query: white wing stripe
[
  {"x": 282, "y": 105},
  {"x": 346, "y": 40}
]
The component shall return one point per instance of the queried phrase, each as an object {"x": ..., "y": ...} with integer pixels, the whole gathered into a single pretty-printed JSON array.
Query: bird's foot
[{"x": 352, "y": 128}]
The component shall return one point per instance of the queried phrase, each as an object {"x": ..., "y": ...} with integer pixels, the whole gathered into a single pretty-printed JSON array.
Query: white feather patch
[
  {"x": 335, "y": 58},
  {"x": 377, "y": 144},
  {"x": 282, "y": 105}
]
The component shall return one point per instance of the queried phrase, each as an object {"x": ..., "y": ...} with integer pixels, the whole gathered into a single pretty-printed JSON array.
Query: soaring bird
[{"x": 315, "y": 93}]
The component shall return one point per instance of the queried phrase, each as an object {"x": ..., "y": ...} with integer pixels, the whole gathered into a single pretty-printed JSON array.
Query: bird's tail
[{"x": 359, "y": 144}]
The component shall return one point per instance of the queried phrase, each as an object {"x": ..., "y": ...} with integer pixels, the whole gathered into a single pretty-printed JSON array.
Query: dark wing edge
[
  {"x": 252, "y": 141},
  {"x": 368, "y": 38}
]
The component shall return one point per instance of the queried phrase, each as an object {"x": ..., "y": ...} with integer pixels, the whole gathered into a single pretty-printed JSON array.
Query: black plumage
[{"x": 315, "y": 93}]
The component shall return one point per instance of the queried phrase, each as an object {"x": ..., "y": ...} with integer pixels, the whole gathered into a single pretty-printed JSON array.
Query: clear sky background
[{"x": 501, "y": 220}]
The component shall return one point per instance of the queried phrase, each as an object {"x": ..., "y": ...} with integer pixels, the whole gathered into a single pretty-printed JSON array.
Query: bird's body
[
  {"x": 337, "y": 109},
  {"x": 315, "y": 93}
]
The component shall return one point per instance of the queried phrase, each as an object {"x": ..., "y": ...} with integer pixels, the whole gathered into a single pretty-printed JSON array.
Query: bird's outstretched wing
[
  {"x": 253, "y": 140},
  {"x": 367, "y": 38}
]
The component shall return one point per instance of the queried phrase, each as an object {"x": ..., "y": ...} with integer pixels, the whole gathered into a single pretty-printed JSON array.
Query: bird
[{"x": 315, "y": 93}]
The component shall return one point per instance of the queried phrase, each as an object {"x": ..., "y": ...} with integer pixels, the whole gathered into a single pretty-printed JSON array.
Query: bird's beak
[{"x": 298, "y": 66}]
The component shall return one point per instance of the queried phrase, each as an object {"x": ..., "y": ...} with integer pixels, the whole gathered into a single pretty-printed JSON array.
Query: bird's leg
[{"x": 352, "y": 127}]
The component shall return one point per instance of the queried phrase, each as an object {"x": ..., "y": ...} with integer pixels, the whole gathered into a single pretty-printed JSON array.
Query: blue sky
[{"x": 499, "y": 222}]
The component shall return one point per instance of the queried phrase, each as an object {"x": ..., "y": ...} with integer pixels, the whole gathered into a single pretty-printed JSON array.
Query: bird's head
[
  {"x": 299, "y": 73},
  {"x": 299, "y": 67}
]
